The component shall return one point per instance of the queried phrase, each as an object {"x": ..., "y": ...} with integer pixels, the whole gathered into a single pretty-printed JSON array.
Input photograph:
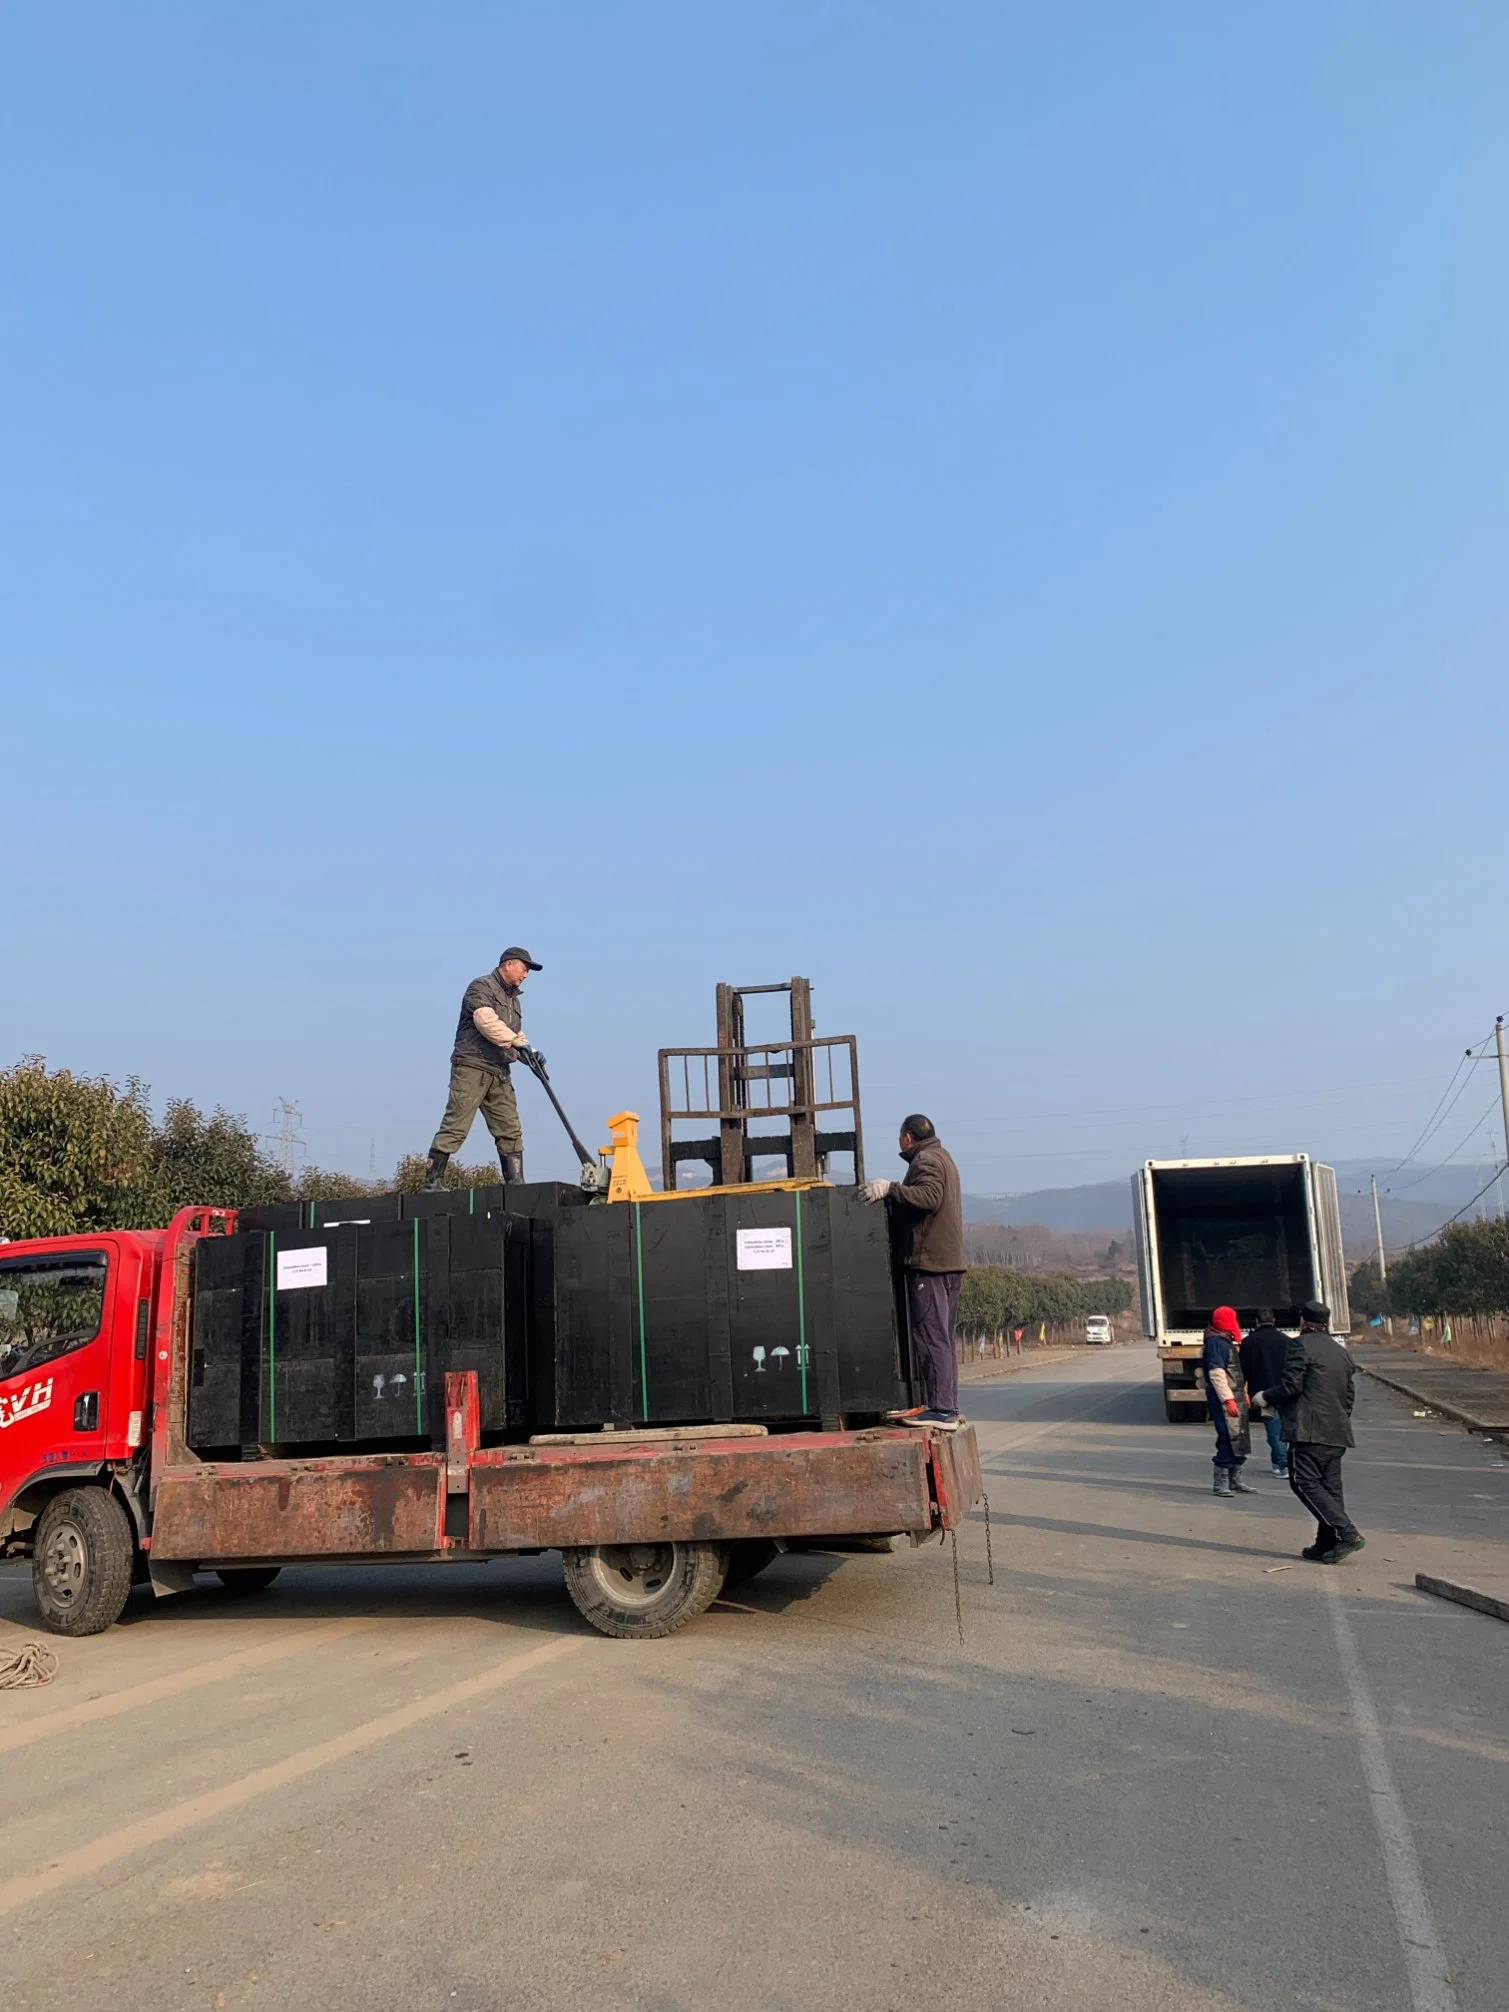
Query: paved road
[{"x": 1161, "y": 1773}]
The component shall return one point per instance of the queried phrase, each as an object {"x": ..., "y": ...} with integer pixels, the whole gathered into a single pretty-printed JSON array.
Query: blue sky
[{"x": 998, "y": 508}]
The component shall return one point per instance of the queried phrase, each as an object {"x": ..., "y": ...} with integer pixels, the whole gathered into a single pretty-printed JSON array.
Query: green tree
[
  {"x": 1366, "y": 1292},
  {"x": 75, "y": 1152},
  {"x": 216, "y": 1160},
  {"x": 408, "y": 1175},
  {"x": 1466, "y": 1270},
  {"x": 81, "y": 1153},
  {"x": 995, "y": 1296}
]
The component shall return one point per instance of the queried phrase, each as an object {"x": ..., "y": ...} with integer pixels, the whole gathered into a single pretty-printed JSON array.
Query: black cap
[
  {"x": 1316, "y": 1310},
  {"x": 523, "y": 956}
]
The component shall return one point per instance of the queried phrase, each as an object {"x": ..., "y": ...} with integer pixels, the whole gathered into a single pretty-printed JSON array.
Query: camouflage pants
[{"x": 486, "y": 1090}]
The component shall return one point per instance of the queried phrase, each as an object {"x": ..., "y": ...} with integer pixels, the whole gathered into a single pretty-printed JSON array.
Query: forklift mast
[{"x": 794, "y": 1084}]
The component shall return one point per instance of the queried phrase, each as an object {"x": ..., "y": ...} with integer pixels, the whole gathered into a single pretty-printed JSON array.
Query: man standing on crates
[
  {"x": 932, "y": 1210},
  {"x": 489, "y": 1038}
]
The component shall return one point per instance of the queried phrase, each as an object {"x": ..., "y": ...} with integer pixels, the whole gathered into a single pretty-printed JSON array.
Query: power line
[
  {"x": 1415, "y": 1183},
  {"x": 1439, "y": 1116},
  {"x": 1461, "y": 1211}
]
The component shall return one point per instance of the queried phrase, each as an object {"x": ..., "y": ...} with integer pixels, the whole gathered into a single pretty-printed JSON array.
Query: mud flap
[{"x": 169, "y": 1577}]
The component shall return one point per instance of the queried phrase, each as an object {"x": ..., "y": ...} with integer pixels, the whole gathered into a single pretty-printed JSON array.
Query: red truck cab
[{"x": 75, "y": 1374}]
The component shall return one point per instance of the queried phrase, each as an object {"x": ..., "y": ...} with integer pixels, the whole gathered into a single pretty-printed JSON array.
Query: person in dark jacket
[
  {"x": 1314, "y": 1400},
  {"x": 490, "y": 1037},
  {"x": 1263, "y": 1354},
  {"x": 931, "y": 1214},
  {"x": 1221, "y": 1367}
]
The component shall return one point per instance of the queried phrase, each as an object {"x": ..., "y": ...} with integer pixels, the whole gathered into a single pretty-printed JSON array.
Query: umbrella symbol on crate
[{"x": 779, "y": 1355}]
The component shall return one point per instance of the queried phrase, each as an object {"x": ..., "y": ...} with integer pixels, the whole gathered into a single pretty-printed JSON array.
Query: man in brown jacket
[{"x": 932, "y": 1211}]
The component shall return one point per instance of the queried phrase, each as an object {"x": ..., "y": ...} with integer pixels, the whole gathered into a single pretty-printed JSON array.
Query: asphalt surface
[{"x": 1162, "y": 1771}]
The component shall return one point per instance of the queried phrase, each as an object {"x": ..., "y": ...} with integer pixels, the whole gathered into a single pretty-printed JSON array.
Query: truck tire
[
  {"x": 747, "y": 1559},
  {"x": 81, "y": 1562},
  {"x": 640, "y": 1591},
  {"x": 1180, "y": 1414},
  {"x": 243, "y": 1579}
]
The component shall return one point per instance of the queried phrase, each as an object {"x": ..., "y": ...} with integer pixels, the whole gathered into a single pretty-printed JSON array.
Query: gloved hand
[
  {"x": 876, "y": 1191},
  {"x": 1233, "y": 1409}
]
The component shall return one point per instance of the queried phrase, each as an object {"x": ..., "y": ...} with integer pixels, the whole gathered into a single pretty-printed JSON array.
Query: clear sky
[{"x": 1000, "y": 508}]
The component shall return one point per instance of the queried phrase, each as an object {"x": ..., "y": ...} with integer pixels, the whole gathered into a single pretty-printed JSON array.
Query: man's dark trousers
[
  {"x": 932, "y": 1299},
  {"x": 1315, "y": 1477}
]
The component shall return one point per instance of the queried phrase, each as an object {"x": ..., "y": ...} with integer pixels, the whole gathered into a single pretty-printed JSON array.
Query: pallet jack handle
[{"x": 533, "y": 1063}]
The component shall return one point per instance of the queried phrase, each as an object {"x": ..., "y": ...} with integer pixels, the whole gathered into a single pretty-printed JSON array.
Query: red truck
[{"x": 100, "y": 1489}]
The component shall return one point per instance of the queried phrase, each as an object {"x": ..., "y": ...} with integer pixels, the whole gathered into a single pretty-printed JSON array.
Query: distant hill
[
  {"x": 1411, "y": 1213},
  {"x": 1107, "y": 1205}
]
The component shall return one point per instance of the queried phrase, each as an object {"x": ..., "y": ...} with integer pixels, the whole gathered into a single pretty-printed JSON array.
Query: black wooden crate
[
  {"x": 358, "y": 1357},
  {"x": 520, "y": 1198},
  {"x": 776, "y": 1307}
]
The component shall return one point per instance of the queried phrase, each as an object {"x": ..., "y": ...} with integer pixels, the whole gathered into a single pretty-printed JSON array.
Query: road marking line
[
  {"x": 137, "y": 1837},
  {"x": 1430, "y": 1986},
  {"x": 171, "y": 1686}
]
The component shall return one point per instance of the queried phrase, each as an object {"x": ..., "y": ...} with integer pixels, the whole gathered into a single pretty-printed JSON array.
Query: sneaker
[
  {"x": 1313, "y": 1552},
  {"x": 901, "y": 1417},
  {"x": 935, "y": 1421},
  {"x": 1279, "y": 1473},
  {"x": 1339, "y": 1553}
]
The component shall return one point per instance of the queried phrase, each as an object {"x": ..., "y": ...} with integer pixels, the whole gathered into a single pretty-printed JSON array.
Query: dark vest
[{"x": 474, "y": 1050}]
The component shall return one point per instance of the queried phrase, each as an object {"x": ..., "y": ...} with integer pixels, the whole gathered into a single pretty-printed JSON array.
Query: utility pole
[
  {"x": 1388, "y": 1320},
  {"x": 1498, "y": 1035},
  {"x": 1378, "y": 1226}
]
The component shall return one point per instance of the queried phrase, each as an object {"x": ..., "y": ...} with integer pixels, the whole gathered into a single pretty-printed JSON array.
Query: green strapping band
[
  {"x": 644, "y": 1371},
  {"x": 272, "y": 1346},
  {"x": 801, "y": 1305},
  {"x": 418, "y": 1344}
]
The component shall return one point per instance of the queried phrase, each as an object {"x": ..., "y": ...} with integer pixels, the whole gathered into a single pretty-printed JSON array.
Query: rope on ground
[
  {"x": 990, "y": 1563},
  {"x": 22, "y": 1669}
]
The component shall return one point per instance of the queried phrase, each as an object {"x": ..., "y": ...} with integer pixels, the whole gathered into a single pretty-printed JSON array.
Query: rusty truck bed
[{"x": 477, "y": 1501}]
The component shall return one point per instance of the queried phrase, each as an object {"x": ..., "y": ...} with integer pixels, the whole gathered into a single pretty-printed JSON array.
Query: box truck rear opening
[{"x": 1253, "y": 1234}]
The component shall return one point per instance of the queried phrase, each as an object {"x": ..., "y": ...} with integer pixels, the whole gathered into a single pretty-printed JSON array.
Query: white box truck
[{"x": 1246, "y": 1233}]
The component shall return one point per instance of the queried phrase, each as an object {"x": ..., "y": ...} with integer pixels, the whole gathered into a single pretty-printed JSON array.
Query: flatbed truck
[{"x": 100, "y": 1489}]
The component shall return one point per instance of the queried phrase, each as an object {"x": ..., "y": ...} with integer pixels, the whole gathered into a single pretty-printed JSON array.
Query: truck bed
[{"x": 476, "y": 1501}]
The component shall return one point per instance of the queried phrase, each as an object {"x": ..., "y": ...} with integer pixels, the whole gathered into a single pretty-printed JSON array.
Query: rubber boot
[
  {"x": 512, "y": 1165},
  {"x": 1223, "y": 1485},
  {"x": 1237, "y": 1485},
  {"x": 434, "y": 1172}
]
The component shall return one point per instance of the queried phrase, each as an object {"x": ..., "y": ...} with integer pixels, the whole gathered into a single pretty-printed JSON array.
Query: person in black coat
[
  {"x": 1314, "y": 1399},
  {"x": 1263, "y": 1354}
]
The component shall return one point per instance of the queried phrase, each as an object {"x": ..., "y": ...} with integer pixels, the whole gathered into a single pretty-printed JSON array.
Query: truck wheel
[
  {"x": 1176, "y": 1414},
  {"x": 640, "y": 1591},
  {"x": 241, "y": 1579},
  {"x": 747, "y": 1559},
  {"x": 81, "y": 1562}
]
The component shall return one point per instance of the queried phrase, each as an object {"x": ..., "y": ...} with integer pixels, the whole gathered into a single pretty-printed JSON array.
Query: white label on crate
[
  {"x": 763, "y": 1250},
  {"x": 301, "y": 1268}
]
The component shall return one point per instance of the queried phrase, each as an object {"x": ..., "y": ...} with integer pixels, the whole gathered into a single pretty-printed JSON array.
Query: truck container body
[
  {"x": 99, "y": 1483},
  {"x": 1253, "y": 1234}
]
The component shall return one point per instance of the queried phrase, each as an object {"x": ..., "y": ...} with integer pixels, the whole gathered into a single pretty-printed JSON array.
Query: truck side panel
[
  {"x": 816, "y": 1484},
  {"x": 1333, "y": 1269},
  {"x": 302, "y": 1509},
  {"x": 1146, "y": 1247}
]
